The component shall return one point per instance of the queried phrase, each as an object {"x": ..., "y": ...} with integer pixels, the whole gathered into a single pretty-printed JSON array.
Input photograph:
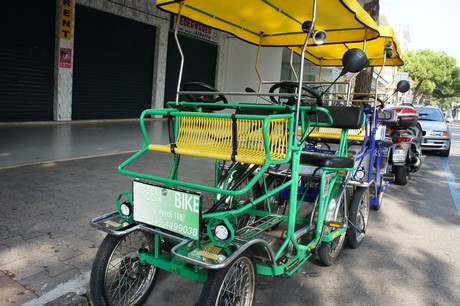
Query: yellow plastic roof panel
[
  {"x": 331, "y": 55},
  {"x": 278, "y": 22}
]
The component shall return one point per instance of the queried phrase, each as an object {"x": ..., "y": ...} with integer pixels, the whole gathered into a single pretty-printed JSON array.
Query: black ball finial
[{"x": 306, "y": 26}]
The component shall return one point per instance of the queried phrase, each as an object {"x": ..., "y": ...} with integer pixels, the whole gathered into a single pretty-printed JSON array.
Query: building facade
[
  {"x": 63, "y": 60},
  {"x": 110, "y": 59}
]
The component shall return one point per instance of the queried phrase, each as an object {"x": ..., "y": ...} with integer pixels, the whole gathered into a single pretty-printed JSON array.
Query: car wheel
[{"x": 445, "y": 153}]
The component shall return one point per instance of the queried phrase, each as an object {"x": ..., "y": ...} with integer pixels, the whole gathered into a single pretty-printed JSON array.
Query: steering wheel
[
  {"x": 291, "y": 87},
  {"x": 200, "y": 86},
  {"x": 381, "y": 103}
]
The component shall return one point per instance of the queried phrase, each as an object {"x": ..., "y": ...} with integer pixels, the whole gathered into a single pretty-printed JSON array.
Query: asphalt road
[{"x": 409, "y": 255}]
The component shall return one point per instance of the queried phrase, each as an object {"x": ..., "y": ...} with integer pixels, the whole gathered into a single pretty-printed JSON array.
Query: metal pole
[
  {"x": 302, "y": 63},
  {"x": 176, "y": 30}
]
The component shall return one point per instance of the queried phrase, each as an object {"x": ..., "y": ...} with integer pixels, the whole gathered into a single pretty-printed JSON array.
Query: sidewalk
[
  {"x": 50, "y": 192},
  {"x": 31, "y": 143}
]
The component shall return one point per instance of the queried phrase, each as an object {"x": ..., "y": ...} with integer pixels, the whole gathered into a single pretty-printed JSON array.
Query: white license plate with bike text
[{"x": 166, "y": 208}]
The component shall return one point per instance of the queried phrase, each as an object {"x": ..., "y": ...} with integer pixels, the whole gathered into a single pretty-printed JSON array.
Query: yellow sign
[{"x": 66, "y": 19}]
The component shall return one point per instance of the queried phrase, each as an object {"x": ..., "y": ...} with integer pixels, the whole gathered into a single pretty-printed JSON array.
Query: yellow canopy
[
  {"x": 278, "y": 22},
  {"x": 331, "y": 55}
]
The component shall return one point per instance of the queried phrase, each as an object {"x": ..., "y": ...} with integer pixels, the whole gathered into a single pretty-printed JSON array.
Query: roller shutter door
[
  {"x": 114, "y": 58},
  {"x": 27, "y": 60},
  {"x": 200, "y": 63}
]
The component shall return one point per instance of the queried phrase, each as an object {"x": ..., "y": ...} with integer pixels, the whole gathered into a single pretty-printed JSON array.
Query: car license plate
[
  {"x": 169, "y": 209},
  {"x": 399, "y": 155}
]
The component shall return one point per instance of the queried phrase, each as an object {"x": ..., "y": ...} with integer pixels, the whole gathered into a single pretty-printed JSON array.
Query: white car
[{"x": 436, "y": 134}]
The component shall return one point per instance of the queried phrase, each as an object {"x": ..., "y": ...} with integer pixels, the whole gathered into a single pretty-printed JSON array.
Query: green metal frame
[{"x": 329, "y": 186}]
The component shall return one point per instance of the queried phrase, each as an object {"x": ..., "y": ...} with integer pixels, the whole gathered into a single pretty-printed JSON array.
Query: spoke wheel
[
  {"x": 242, "y": 200},
  {"x": 275, "y": 204},
  {"x": 359, "y": 216},
  {"x": 329, "y": 251},
  {"x": 117, "y": 277},
  {"x": 231, "y": 286},
  {"x": 236, "y": 178}
]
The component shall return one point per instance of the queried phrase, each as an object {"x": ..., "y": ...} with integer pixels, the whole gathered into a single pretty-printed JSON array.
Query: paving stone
[
  {"x": 56, "y": 268},
  {"x": 68, "y": 275},
  {"x": 15, "y": 294},
  {"x": 32, "y": 234},
  {"x": 31, "y": 248},
  {"x": 12, "y": 293},
  {"x": 83, "y": 262},
  {"x": 6, "y": 256},
  {"x": 20, "y": 269},
  {"x": 70, "y": 299},
  {"x": 14, "y": 242},
  {"x": 41, "y": 282},
  {"x": 64, "y": 252}
]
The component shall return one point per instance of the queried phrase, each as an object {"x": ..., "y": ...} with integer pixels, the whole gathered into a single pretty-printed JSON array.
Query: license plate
[
  {"x": 399, "y": 155},
  {"x": 169, "y": 209}
]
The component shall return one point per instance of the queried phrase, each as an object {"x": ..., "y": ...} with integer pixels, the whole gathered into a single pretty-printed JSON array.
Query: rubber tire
[
  {"x": 281, "y": 209},
  {"x": 328, "y": 252},
  {"x": 101, "y": 265},
  {"x": 401, "y": 175},
  {"x": 359, "y": 216},
  {"x": 445, "y": 153},
  {"x": 379, "y": 201},
  {"x": 211, "y": 292}
]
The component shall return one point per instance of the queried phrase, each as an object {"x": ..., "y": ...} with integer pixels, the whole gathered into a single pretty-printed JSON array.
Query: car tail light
[{"x": 401, "y": 139}]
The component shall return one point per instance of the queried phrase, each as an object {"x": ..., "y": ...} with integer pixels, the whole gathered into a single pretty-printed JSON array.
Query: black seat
[
  {"x": 324, "y": 160},
  {"x": 343, "y": 117}
]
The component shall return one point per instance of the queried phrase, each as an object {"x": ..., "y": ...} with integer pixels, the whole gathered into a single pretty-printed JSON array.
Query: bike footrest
[
  {"x": 260, "y": 225},
  {"x": 388, "y": 177}
]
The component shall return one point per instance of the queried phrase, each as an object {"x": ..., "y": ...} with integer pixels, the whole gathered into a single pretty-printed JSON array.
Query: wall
[
  {"x": 143, "y": 11},
  {"x": 239, "y": 65}
]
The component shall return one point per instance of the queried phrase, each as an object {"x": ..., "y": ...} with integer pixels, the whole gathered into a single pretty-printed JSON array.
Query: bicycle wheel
[
  {"x": 379, "y": 189},
  {"x": 379, "y": 201},
  {"x": 358, "y": 217},
  {"x": 238, "y": 179},
  {"x": 329, "y": 251},
  {"x": 233, "y": 285},
  {"x": 276, "y": 204},
  {"x": 117, "y": 278},
  {"x": 378, "y": 196}
]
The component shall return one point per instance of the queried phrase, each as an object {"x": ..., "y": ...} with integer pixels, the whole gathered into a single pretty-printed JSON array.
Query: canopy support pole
[
  {"x": 292, "y": 65},
  {"x": 176, "y": 30},
  {"x": 377, "y": 84},
  {"x": 302, "y": 63},
  {"x": 259, "y": 75}
]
